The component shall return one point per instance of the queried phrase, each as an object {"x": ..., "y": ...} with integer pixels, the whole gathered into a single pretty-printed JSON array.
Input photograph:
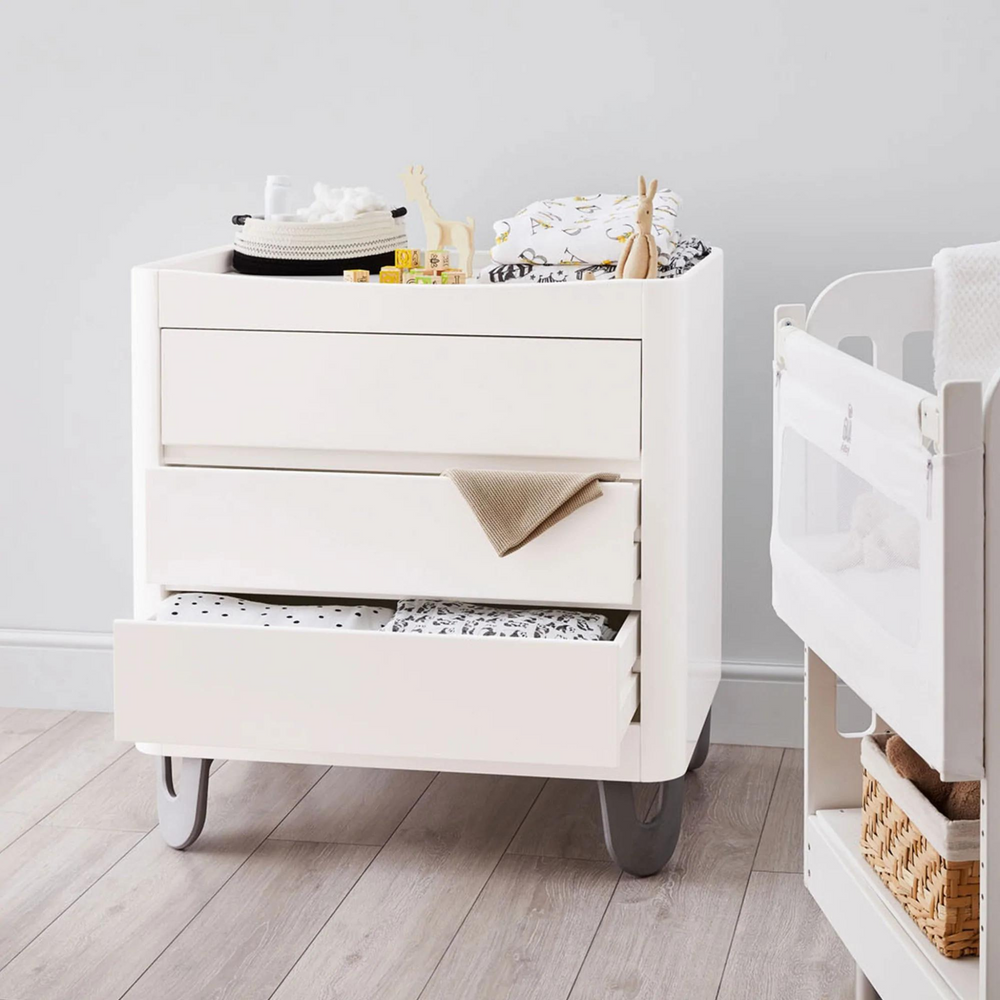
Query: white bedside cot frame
[
  {"x": 940, "y": 694},
  {"x": 237, "y": 420}
]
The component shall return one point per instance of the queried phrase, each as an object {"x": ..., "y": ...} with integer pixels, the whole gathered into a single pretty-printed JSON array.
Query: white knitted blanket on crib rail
[{"x": 966, "y": 313}]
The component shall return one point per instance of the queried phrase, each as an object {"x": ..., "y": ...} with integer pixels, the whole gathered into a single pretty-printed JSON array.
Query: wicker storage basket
[{"x": 932, "y": 869}]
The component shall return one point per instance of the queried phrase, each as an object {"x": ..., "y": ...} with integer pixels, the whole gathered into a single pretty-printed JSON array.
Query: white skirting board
[
  {"x": 758, "y": 704},
  {"x": 49, "y": 669}
]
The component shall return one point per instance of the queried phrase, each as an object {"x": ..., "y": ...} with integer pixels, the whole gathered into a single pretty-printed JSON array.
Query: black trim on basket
[{"x": 246, "y": 264}]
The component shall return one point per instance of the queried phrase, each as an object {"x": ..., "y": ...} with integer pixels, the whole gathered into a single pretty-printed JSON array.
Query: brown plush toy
[{"x": 955, "y": 799}]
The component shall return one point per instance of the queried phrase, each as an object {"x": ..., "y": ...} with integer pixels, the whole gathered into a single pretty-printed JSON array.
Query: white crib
[
  {"x": 916, "y": 638},
  {"x": 288, "y": 439}
]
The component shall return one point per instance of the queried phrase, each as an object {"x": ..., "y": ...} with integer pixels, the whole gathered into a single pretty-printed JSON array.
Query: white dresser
[{"x": 289, "y": 434}]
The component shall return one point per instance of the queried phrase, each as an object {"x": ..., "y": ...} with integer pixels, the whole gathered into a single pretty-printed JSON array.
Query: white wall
[{"x": 808, "y": 141}]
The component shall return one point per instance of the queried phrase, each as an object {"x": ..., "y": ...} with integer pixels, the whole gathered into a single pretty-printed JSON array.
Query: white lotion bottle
[{"x": 278, "y": 197}]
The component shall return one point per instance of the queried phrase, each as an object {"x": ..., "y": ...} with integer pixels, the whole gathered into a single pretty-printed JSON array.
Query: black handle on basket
[{"x": 238, "y": 220}]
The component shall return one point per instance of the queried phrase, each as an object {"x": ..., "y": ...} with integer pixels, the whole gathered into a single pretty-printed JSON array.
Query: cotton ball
[{"x": 332, "y": 204}]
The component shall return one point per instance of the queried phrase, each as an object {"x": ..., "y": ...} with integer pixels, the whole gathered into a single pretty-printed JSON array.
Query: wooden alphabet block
[
  {"x": 407, "y": 257},
  {"x": 390, "y": 276},
  {"x": 358, "y": 274},
  {"x": 437, "y": 259}
]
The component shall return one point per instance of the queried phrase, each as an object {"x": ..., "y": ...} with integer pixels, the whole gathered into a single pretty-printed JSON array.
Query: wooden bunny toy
[{"x": 639, "y": 255}]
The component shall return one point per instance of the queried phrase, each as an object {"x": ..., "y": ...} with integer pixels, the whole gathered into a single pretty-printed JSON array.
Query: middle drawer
[{"x": 375, "y": 535}]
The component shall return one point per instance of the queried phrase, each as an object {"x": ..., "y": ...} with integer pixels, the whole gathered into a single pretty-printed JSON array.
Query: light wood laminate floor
[{"x": 346, "y": 884}]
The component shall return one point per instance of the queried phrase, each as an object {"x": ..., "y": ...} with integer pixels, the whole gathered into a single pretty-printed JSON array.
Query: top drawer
[{"x": 440, "y": 395}]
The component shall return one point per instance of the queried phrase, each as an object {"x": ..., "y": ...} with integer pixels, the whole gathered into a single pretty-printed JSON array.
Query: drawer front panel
[
  {"x": 447, "y": 395},
  {"x": 529, "y": 701},
  {"x": 377, "y": 535}
]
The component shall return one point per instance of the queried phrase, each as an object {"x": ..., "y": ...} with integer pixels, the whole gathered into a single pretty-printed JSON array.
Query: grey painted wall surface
[{"x": 808, "y": 140}]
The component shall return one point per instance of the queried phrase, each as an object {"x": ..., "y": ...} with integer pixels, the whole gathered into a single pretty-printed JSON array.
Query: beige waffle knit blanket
[{"x": 515, "y": 507}]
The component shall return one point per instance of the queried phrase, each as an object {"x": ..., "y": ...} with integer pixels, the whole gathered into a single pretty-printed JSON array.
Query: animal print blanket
[
  {"x": 682, "y": 258},
  {"x": 581, "y": 229},
  {"x": 459, "y": 618}
]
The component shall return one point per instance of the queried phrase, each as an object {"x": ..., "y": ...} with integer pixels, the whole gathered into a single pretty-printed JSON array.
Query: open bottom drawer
[{"x": 537, "y": 701}]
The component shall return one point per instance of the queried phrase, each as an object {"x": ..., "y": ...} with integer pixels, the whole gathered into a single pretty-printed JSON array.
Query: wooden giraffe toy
[
  {"x": 440, "y": 233},
  {"x": 639, "y": 255}
]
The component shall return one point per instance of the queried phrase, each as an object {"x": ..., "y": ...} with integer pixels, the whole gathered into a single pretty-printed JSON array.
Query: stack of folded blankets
[
  {"x": 459, "y": 618},
  {"x": 581, "y": 236},
  {"x": 411, "y": 615}
]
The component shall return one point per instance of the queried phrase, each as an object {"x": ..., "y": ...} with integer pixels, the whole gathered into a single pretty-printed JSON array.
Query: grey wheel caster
[{"x": 182, "y": 811}]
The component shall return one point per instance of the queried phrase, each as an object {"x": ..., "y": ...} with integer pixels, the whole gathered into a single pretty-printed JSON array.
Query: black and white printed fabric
[
  {"x": 218, "y": 609},
  {"x": 681, "y": 259},
  {"x": 581, "y": 229},
  {"x": 459, "y": 618}
]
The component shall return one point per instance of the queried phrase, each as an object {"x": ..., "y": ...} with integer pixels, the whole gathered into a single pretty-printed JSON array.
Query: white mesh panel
[{"x": 864, "y": 544}]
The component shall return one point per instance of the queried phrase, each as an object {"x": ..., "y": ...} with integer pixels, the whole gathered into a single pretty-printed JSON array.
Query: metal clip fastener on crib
[{"x": 930, "y": 421}]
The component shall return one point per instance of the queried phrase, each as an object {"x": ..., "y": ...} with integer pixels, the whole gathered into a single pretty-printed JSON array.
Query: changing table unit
[{"x": 289, "y": 435}]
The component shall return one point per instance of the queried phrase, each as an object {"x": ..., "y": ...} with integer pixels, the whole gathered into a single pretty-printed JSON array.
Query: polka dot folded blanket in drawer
[
  {"x": 582, "y": 229},
  {"x": 218, "y": 609}
]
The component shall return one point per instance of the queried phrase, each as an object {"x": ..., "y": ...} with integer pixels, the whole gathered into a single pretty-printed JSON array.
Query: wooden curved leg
[
  {"x": 701, "y": 747},
  {"x": 182, "y": 811},
  {"x": 641, "y": 847}
]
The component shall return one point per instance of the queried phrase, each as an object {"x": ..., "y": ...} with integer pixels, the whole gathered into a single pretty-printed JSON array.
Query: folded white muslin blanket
[
  {"x": 459, "y": 618},
  {"x": 217, "y": 609},
  {"x": 581, "y": 229},
  {"x": 966, "y": 313}
]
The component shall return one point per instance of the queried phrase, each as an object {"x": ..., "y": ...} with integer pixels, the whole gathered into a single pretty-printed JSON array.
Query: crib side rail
[
  {"x": 885, "y": 306},
  {"x": 877, "y": 539}
]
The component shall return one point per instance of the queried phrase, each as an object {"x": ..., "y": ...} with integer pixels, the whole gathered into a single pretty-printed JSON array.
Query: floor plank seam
[
  {"x": 338, "y": 843},
  {"x": 482, "y": 889},
  {"x": 343, "y": 900},
  {"x": 84, "y": 826},
  {"x": 552, "y": 857},
  {"x": 77, "y": 899},
  {"x": 597, "y": 930},
  {"x": 330, "y": 916},
  {"x": 226, "y": 882},
  {"x": 743, "y": 898},
  {"x": 767, "y": 815},
  {"x": 556, "y": 857},
  {"x": 37, "y": 735},
  {"x": 776, "y": 871},
  {"x": 62, "y": 802}
]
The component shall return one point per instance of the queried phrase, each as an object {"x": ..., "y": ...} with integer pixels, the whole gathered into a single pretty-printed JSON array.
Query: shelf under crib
[{"x": 898, "y": 960}]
